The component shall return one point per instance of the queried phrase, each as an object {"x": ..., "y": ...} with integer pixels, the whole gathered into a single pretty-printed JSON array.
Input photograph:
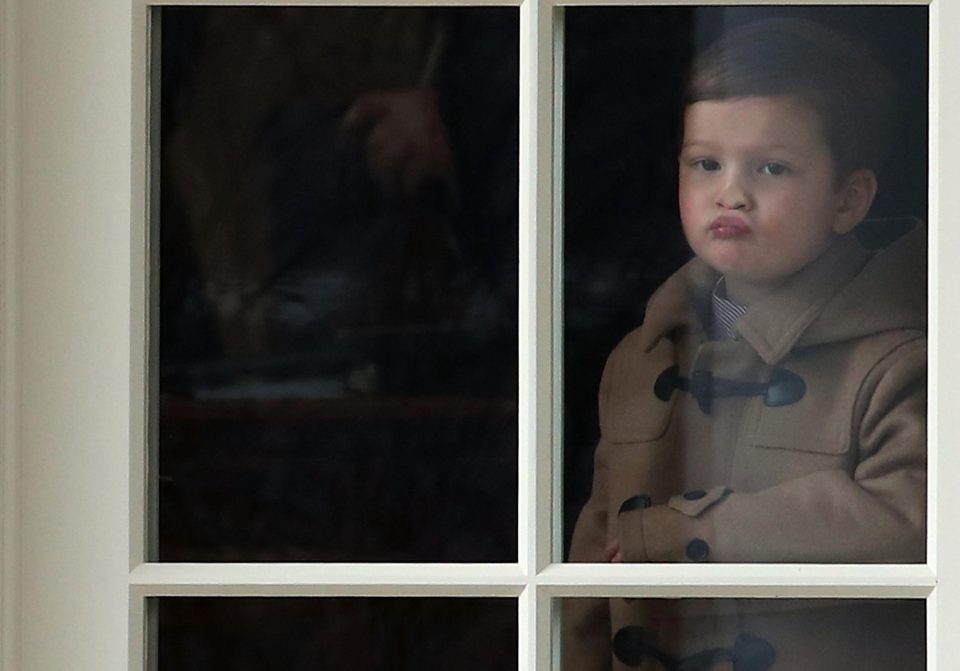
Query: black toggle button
[
  {"x": 784, "y": 388},
  {"x": 694, "y": 495},
  {"x": 628, "y": 645},
  {"x": 698, "y": 550},
  {"x": 666, "y": 382},
  {"x": 749, "y": 653},
  {"x": 752, "y": 653},
  {"x": 638, "y": 502}
]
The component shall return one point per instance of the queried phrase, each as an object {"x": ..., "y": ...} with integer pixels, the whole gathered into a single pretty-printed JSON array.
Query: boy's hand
[{"x": 612, "y": 552}]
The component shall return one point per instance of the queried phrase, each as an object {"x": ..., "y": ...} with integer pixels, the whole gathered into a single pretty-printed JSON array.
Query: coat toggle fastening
[
  {"x": 749, "y": 653},
  {"x": 785, "y": 387}
]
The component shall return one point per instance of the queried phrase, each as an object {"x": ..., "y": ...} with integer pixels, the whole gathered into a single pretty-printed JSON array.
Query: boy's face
[{"x": 758, "y": 194}]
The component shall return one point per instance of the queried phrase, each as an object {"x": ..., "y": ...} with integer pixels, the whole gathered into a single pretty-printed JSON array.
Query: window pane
[
  {"x": 355, "y": 634},
  {"x": 777, "y": 414},
  {"x": 744, "y": 634},
  {"x": 338, "y": 284}
]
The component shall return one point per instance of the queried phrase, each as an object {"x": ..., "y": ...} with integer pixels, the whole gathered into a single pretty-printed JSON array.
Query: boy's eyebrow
[{"x": 708, "y": 145}]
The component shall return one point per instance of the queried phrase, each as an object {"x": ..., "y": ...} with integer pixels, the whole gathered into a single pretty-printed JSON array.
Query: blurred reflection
[
  {"x": 746, "y": 635},
  {"x": 337, "y": 634},
  {"x": 338, "y": 284}
]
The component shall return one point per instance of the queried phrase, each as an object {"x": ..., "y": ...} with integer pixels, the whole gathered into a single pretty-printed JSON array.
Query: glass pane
[
  {"x": 338, "y": 284},
  {"x": 744, "y": 634},
  {"x": 772, "y": 407},
  {"x": 354, "y": 634}
]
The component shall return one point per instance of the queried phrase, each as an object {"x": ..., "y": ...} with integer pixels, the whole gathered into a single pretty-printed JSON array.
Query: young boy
[{"x": 772, "y": 406}]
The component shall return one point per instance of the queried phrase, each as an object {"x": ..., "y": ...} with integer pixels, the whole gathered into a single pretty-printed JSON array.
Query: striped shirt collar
[{"x": 724, "y": 313}]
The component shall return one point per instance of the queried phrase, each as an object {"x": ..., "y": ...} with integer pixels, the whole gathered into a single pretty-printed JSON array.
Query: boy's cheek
[
  {"x": 690, "y": 207},
  {"x": 689, "y": 227}
]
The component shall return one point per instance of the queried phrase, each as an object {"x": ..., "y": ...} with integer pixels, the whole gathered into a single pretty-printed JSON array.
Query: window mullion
[
  {"x": 944, "y": 355},
  {"x": 307, "y": 579},
  {"x": 536, "y": 289},
  {"x": 740, "y": 581}
]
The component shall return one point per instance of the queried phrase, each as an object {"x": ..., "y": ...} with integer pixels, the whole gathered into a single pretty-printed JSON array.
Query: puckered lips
[{"x": 728, "y": 227}]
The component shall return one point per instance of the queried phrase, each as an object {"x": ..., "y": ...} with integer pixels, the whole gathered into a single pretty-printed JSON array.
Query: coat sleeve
[
  {"x": 586, "y": 621},
  {"x": 875, "y": 514}
]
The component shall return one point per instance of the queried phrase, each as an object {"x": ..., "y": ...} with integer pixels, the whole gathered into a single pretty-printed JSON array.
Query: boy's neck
[{"x": 747, "y": 292}]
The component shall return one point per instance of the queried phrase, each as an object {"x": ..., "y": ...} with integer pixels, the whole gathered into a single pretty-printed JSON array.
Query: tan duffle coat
[{"x": 803, "y": 440}]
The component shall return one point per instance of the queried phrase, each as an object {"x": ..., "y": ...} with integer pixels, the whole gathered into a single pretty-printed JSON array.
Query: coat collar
[
  {"x": 771, "y": 326},
  {"x": 776, "y": 323}
]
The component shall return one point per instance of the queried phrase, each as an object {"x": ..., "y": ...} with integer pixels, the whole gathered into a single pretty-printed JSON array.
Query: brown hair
[{"x": 851, "y": 92}]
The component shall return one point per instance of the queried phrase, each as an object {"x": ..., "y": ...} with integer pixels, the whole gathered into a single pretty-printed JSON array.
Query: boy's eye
[
  {"x": 706, "y": 164},
  {"x": 773, "y": 168}
]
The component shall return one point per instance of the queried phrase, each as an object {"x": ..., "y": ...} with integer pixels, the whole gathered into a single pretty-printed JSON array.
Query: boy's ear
[{"x": 856, "y": 198}]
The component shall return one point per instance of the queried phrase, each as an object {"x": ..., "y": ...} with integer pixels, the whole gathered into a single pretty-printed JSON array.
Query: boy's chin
[
  {"x": 754, "y": 273},
  {"x": 737, "y": 273}
]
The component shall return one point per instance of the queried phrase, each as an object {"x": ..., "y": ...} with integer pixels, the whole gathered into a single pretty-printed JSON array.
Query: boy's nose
[{"x": 733, "y": 195}]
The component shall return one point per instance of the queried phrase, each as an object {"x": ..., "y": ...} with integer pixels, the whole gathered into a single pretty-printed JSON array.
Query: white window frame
[{"x": 73, "y": 386}]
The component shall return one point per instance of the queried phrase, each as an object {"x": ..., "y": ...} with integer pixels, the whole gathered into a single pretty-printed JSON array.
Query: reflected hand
[{"x": 405, "y": 142}]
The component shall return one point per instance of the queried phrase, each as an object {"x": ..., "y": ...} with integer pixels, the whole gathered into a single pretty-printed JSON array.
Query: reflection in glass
[
  {"x": 744, "y": 634},
  {"x": 772, "y": 406},
  {"x": 336, "y": 634},
  {"x": 338, "y": 284}
]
